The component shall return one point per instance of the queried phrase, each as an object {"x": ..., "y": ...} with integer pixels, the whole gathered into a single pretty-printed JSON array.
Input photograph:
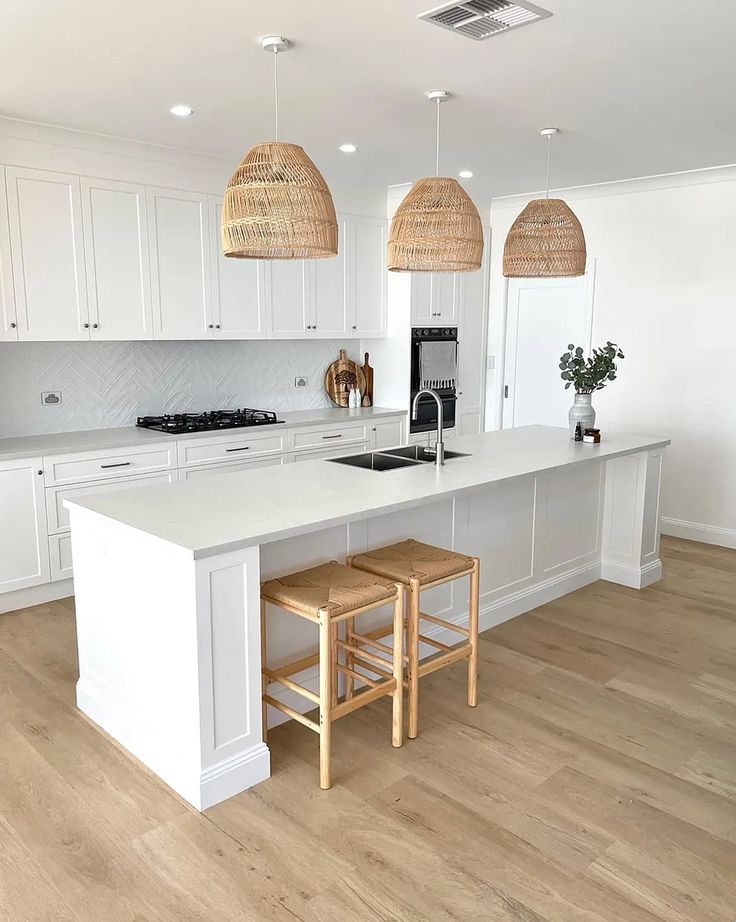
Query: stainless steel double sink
[{"x": 389, "y": 459}]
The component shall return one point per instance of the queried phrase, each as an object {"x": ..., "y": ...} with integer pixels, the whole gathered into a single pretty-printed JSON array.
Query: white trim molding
[{"x": 696, "y": 531}]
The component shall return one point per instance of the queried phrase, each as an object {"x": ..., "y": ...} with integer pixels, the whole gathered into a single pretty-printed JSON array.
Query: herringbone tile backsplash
[{"x": 110, "y": 384}]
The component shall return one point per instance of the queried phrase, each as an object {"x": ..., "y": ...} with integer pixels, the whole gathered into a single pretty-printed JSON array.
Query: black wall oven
[{"x": 426, "y": 420}]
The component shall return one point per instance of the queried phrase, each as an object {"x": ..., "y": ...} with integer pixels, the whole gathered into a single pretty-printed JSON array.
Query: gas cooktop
[{"x": 178, "y": 423}]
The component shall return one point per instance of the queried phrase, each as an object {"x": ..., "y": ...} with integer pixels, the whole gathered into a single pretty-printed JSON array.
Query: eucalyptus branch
[{"x": 591, "y": 373}]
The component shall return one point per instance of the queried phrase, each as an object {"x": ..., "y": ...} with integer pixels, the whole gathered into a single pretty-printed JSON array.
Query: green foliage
[{"x": 593, "y": 373}]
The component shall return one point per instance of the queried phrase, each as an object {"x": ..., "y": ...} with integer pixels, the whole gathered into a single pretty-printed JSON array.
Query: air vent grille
[{"x": 480, "y": 19}]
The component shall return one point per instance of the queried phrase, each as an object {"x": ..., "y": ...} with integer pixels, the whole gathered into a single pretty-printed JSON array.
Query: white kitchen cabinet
[
  {"x": 24, "y": 550},
  {"x": 436, "y": 298},
  {"x": 388, "y": 433},
  {"x": 8, "y": 318},
  {"x": 289, "y": 304},
  {"x": 181, "y": 276},
  {"x": 60, "y": 556},
  {"x": 329, "y": 300},
  {"x": 117, "y": 260},
  {"x": 335, "y": 451},
  {"x": 367, "y": 240},
  {"x": 208, "y": 470},
  {"x": 238, "y": 288},
  {"x": 47, "y": 255}
]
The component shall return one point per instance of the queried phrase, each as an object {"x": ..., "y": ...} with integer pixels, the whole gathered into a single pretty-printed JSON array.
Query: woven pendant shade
[
  {"x": 436, "y": 228},
  {"x": 545, "y": 241},
  {"x": 278, "y": 206}
]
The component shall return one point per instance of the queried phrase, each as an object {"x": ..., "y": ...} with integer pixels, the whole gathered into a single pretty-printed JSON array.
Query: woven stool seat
[
  {"x": 412, "y": 559},
  {"x": 330, "y": 586}
]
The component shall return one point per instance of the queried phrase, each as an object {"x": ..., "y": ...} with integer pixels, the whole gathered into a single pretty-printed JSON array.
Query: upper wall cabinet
[
  {"x": 436, "y": 298},
  {"x": 238, "y": 288},
  {"x": 329, "y": 301},
  {"x": 368, "y": 240},
  {"x": 117, "y": 262},
  {"x": 179, "y": 231},
  {"x": 8, "y": 319},
  {"x": 289, "y": 298},
  {"x": 45, "y": 215}
]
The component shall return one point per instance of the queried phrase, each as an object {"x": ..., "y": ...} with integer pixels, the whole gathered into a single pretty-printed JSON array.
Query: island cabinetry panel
[
  {"x": 45, "y": 217},
  {"x": 8, "y": 316},
  {"x": 569, "y": 518},
  {"x": 104, "y": 465},
  {"x": 24, "y": 557}
]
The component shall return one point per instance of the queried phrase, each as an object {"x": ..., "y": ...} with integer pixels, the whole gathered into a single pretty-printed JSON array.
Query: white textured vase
[{"x": 581, "y": 412}]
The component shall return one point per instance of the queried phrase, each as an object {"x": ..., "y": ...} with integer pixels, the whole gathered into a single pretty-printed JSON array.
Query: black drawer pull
[
  {"x": 339, "y": 436},
  {"x": 119, "y": 464},
  {"x": 244, "y": 448}
]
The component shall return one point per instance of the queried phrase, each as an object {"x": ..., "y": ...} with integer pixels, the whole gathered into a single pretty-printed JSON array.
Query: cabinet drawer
[
  {"x": 334, "y": 451},
  {"x": 60, "y": 552},
  {"x": 229, "y": 448},
  {"x": 105, "y": 465},
  {"x": 207, "y": 470},
  {"x": 323, "y": 436},
  {"x": 57, "y": 516}
]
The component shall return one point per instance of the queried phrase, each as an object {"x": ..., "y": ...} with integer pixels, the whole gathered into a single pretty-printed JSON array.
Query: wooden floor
[{"x": 595, "y": 782}]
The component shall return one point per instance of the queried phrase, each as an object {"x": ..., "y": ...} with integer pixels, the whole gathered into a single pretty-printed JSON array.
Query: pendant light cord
[
  {"x": 549, "y": 151},
  {"x": 437, "y": 153},
  {"x": 276, "y": 90}
]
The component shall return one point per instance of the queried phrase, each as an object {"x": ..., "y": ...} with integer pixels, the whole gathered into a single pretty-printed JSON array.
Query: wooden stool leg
[
  {"x": 397, "y": 723},
  {"x": 264, "y": 677},
  {"x": 412, "y": 652},
  {"x": 334, "y": 660},
  {"x": 325, "y": 698},
  {"x": 473, "y": 628},
  {"x": 349, "y": 661}
]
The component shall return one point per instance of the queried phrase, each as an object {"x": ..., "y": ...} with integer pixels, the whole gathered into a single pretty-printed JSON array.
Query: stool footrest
[
  {"x": 445, "y": 659},
  {"x": 367, "y": 639},
  {"x": 291, "y": 712},
  {"x": 273, "y": 675},
  {"x": 352, "y": 704},
  {"x": 356, "y": 675},
  {"x": 434, "y": 643},
  {"x": 446, "y": 624}
]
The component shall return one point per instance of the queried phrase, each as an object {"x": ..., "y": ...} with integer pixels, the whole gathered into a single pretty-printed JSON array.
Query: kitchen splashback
[{"x": 110, "y": 384}]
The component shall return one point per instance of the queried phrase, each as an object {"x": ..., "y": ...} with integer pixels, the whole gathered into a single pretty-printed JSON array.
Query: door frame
[{"x": 590, "y": 273}]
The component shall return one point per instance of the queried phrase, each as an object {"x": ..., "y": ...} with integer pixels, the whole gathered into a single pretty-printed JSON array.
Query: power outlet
[
  {"x": 301, "y": 381},
  {"x": 50, "y": 398}
]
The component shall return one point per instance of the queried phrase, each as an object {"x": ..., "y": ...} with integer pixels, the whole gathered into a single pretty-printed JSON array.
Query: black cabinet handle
[
  {"x": 119, "y": 464},
  {"x": 86, "y": 326},
  {"x": 244, "y": 448},
  {"x": 217, "y": 326},
  {"x": 95, "y": 326},
  {"x": 12, "y": 326},
  {"x": 339, "y": 436}
]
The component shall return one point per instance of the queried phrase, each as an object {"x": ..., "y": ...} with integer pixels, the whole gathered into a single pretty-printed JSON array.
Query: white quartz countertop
[
  {"x": 29, "y": 446},
  {"x": 226, "y": 512}
]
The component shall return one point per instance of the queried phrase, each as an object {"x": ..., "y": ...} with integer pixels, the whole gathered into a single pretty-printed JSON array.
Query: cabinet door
[
  {"x": 24, "y": 550},
  {"x": 421, "y": 298},
  {"x": 368, "y": 281},
  {"x": 8, "y": 319},
  {"x": 180, "y": 264},
  {"x": 238, "y": 288},
  {"x": 329, "y": 290},
  {"x": 388, "y": 433},
  {"x": 446, "y": 293},
  {"x": 117, "y": 259},
  {"x": 288, "y": 298},
  {"x": 45, "y": 215}
]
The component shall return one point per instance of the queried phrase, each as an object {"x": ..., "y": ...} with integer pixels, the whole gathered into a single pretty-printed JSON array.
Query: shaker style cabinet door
[
  {"x": 181, "y": 277},
  {"x": 289, "y": 301},
  {"x": 117, "y": 260},
  {"x": 45, "y": 216},
  {"x": 435, "y": 298},
  {"x": 368, "y": 239},
  {"x": 24, "y": 550},
  {"x": 238, "y": 288},
  {"x": 8, "y": 319},
  {"x": 329, "y": 290},
  {"x": 421, "y": 298}
]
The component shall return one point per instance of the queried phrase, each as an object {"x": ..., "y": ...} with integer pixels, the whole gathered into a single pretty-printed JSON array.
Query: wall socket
[
  {"x": 50, "y": 398},
  {"x": 301, "y": 381}
]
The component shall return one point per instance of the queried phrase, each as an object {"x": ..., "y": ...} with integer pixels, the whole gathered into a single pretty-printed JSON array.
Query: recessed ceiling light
[
  {"x": 348, "y": 148},
  {"x": 181, "y": 111},
  {"x": 465, "y": 174}
]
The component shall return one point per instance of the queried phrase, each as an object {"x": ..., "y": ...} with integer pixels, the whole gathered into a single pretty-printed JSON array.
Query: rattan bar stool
[
  {"x": 327, "y": 595},
  {"x": 420, "y": 566}
]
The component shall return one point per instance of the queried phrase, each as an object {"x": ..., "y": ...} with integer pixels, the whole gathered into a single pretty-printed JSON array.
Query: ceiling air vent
[{"x": 480, "y": 19}]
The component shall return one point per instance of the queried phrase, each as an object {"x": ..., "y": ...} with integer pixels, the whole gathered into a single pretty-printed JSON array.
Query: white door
[
  {"x": 544, "y": 316},
  {"x": 368, "y": 276},
  {"x": 45, "y": 215},
  {"x": 24, "y": 550},
  {"x": 238, "y": 288},
  {"x": 328, "y": 290},
  {"x": 117, "y": 260},
  {"x": 289, "y": 301},
  {"x": 8, "y": 319},
  {"x": 181, "y": 279}
]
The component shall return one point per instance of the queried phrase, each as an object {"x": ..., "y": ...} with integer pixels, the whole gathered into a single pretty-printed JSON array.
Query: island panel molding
[{"x": 545, "y": 515}]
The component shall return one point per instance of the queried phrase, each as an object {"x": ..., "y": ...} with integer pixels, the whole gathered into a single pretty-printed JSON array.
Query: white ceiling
[{"x": 637, "y": 87}]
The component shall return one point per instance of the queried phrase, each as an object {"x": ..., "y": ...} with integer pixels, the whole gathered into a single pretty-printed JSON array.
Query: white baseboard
[
  {"x": 695, "y": 531},
  {"x": 633, "y": 577},
  {"x": 36, "y": 595},
  {"x": 230, "y": 777},
  {"x": 491, "y": 614}
]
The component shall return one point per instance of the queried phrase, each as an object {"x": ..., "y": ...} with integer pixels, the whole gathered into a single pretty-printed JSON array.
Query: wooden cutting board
[
  {"x": 368, "y": 375},
  {"x": 341, "y": 376}
]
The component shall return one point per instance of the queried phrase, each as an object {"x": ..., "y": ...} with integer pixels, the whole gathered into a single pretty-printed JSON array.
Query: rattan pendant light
[
  {"x": 546, "y": 240},
  {"x": 437, "y": 227},
  {"x": 277, "y": 204}
]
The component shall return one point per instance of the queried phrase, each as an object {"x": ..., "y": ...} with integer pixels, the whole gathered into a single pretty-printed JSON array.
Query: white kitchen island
[{"x": 167, "y": 577}]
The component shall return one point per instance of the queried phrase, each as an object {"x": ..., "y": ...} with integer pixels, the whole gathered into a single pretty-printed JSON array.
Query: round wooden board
[{"x": 341, "y": 376}]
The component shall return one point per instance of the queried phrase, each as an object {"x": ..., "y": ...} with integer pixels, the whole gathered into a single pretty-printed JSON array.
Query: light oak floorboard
[{"x": 594, "y": 782}]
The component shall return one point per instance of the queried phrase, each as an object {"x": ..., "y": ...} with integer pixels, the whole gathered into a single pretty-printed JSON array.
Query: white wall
[{"x": 666, "y": 292}]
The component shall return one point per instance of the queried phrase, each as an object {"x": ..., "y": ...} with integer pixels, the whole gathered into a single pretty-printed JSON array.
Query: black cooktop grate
[{"x": 178, "y": 423}]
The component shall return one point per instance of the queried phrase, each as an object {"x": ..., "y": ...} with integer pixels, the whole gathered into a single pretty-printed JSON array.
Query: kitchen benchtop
[
  {"x": 56, "y": 443},
  {"x": 241, "y": 509}
]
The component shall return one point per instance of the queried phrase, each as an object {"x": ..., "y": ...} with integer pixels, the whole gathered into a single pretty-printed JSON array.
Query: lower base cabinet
[{"x": 24, "y": 552}]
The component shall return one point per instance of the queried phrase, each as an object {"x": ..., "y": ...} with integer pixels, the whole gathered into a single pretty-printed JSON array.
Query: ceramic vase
[{"x": 581, "y": 412}]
